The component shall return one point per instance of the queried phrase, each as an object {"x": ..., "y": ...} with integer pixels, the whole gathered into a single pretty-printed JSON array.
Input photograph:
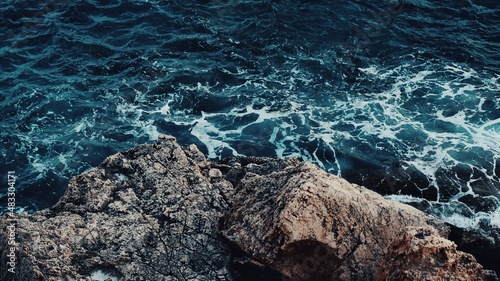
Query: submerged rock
[{"x": 163, "y": 212}]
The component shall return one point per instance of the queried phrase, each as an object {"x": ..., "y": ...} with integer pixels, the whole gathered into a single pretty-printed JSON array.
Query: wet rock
[
  {"x": 480, "y": 203},
  {"x": 480, "y": 238},
  {"x": 396, "y": 180},
  {"x": 482, "y": 243}
]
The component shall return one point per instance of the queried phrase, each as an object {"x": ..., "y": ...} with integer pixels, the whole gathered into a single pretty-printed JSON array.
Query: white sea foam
[
  {"x": 99, "y": 275},
  {"x": 82, "y": 125},
  {"x": 370, "y": 70},
  {"x": 495, "y": 218},
  {"x": 121, "y": 177},
  {"x": 466, "y": 73},
  {"x": 165, "y": 110},
  {"x": 435, "y": 155},
  {"x": 38, "y": 165},
  {"x": 375, "y": 116},
  {"x": 149, "y": 129},
  {"x": 461, "y": 221},
  {"x": 216, "y": 139},
  {"x": 448, "y": 213},
  {"x": 403, "y": 198}
]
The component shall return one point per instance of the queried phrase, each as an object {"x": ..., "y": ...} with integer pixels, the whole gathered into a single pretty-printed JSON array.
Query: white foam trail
[
  {"x": 403, "y": 198},
  {"x": 99, "y": 275},
  {"x": 495, "y": 218},
  {"x": 82, "y": 125},
  {"x": 211, "y": 136},
  {"x": 148, "y": 128},
  {"x": 461, "y": 221},
  {"x": 447, "y": 213}
]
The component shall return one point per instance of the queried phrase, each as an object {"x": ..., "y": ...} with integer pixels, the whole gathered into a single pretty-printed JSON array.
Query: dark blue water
[{"x": 402, "y": 97}]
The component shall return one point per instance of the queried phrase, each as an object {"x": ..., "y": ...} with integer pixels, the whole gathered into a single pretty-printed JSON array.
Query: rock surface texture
[
  {"x": 310, "y": 225},
  {"x": 163, "y": 212},
  {"x": 422, "y": 254},
  {"x": 146, "y": 214}
]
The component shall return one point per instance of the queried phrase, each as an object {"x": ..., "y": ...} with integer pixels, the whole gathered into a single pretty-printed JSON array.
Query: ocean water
[{"x": 402, "y": 97}]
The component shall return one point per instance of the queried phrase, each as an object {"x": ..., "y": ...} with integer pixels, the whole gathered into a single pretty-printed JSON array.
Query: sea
[{"x": 400, "y": 96}]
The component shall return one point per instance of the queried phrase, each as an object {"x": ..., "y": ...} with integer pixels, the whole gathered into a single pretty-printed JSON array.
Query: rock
[
  {"x": 421, "y": 254},
  {"x": 163, "y": 212},
  {"x": 310, "y": 225},
  {"x": 483, "y": 243},
  {"x": 146, "y": 214}
]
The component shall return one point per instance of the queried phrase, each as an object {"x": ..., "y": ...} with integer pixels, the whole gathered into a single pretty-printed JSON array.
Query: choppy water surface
[{"x": 402, "y": 97}]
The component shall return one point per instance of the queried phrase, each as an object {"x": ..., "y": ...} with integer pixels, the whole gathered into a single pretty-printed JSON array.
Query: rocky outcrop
[
  {"x": 146, "y": 214},
  {"x": 163, "y": 212},
  {"x": 422, "y": 254},
  {"x": 310, "y": 225}
]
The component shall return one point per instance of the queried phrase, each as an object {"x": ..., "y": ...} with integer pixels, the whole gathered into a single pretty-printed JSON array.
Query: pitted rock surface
[{"x": 146, "y": 214}]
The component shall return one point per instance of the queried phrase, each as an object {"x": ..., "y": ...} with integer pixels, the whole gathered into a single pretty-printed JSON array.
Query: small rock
[{"x": 215, "y": 173}]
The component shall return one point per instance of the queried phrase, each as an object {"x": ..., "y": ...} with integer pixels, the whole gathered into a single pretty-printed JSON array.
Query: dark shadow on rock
[{"x": 484, "y": 246}]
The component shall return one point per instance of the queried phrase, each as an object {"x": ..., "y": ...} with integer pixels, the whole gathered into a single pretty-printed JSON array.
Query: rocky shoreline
[{"x": 163, "y": 212}]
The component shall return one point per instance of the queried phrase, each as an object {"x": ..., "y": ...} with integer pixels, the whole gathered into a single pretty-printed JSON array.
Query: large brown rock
[{"x": 310, "y": 225}]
